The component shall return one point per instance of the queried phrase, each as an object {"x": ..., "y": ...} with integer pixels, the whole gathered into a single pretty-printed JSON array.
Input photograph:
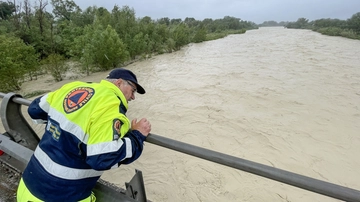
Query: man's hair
[{"x": 111, "y": 80}]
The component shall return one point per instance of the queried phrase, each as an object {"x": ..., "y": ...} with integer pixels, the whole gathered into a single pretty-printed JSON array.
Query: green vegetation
[
  {"x": 16, "y": 60},
  {"x": 55, "y": 64},
  {"x": 349, "y": 28},
  {"x": 34, "y": 41},
  {"x": 272, "y": 23}
]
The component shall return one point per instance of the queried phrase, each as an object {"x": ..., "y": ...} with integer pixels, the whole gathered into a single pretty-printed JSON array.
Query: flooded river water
[
  {"x": 285, "y": 98},
  {"x": 281, "y": 97}
]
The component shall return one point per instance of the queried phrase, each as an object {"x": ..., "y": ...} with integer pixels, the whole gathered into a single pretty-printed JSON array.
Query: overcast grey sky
[{"x": 256, "y": 11}]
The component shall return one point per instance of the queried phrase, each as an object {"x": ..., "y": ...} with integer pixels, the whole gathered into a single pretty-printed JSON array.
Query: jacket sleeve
[
  {"x": 111, "y": 142},
  {"x": 137, "y": 141},
  {"x": 36, "y": 112},
  {"x": 111, "y": 154}
]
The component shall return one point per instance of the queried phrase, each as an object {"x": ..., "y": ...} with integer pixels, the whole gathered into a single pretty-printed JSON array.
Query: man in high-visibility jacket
[{"x": 86, "y": 133}]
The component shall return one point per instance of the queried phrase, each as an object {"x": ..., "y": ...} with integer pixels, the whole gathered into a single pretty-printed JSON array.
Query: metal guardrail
[
  {"x": 19, "y": 142},
  {"x": 14, "y": 122},
  {"x": 300, "y": 181}
]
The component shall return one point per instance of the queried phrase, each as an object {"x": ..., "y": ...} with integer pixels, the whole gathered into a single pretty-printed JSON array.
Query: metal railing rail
[
  {"x": 300, "y": 181},
  {"x": 14, "y": 122}
]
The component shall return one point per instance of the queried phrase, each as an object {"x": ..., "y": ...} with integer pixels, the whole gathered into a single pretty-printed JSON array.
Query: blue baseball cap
[{"x": 121, "y": 73}]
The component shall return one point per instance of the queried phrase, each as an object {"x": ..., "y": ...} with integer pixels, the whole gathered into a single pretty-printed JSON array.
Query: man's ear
[{"x": 118, "y": 82}]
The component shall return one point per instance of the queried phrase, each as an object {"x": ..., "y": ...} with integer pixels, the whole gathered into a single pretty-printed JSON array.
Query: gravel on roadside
[{"x": 9, "y": 181}]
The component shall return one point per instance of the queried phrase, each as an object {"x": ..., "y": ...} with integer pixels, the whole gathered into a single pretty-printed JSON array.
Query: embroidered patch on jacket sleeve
[
  {"x": 116, "y": 129},
  {"x": 54, "y": 129},
  {"x": 77, "y": 98}
]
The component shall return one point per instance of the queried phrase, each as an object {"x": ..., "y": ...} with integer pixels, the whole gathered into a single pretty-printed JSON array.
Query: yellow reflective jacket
[{"x": 86, "y": 133}]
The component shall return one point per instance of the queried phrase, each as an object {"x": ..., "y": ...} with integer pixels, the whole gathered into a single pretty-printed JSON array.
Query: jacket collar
[{"x": 116, "y": 90}]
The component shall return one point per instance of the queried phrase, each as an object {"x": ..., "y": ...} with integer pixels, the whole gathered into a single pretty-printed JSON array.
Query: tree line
[
  {"x": 272, "y": 23},
  {"x": 349, "y": 28},
  {"x": 33, "y": 40}
]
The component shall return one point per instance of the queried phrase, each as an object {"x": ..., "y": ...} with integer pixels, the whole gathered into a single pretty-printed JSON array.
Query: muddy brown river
[
  {"x": 285, "y": 98},
  {"x": 281, "y": 97}
]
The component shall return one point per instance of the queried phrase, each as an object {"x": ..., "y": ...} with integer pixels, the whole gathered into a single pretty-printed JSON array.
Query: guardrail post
[{"x": 15, "y": 124}]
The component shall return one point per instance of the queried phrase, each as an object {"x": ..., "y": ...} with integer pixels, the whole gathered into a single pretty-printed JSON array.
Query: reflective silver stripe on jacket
[
  {"x": 108, "y": 147},
  {"x": 43, "y": 104},
  {"x": 62, "y": 171},
  {"x": 68, "y": 126},
  {"x": 128, "y": 148}
]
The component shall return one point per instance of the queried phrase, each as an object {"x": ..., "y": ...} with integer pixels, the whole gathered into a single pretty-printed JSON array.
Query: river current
[
  {"x": 281, "y": 97},
  {"x": 285, "y": 98}
]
